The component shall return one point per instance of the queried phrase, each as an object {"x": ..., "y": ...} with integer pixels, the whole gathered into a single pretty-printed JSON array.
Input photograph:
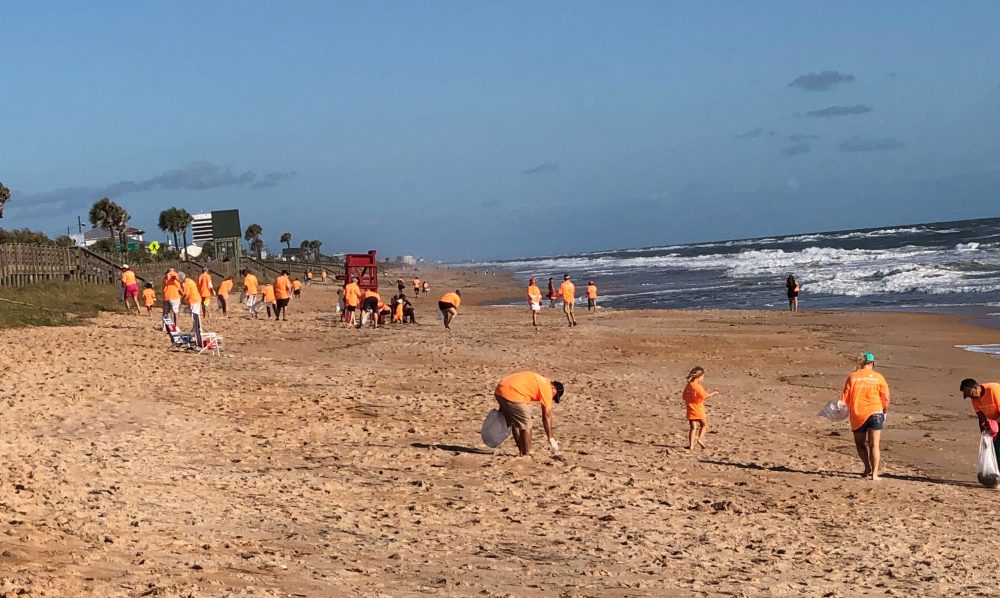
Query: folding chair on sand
[
  {"x": 210, "y": 341},
  {"x": 177, "y": 339}
]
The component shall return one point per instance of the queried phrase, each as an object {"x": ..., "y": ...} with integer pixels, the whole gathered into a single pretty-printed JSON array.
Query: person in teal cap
[{"x": 866, "y": 394}]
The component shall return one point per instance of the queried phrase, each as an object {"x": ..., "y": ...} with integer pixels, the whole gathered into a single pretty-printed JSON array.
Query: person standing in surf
[
  {"x": 792, "y": 287},
  {"x": 553, "y": 295}
]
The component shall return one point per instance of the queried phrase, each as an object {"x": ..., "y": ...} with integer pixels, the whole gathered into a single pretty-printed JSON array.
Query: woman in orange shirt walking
[
  {"x": 695, "y": 396},
  {"x": 866, "y": 394}
]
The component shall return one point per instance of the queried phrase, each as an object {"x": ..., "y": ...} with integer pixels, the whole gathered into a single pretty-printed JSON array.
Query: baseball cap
[
  {"x": 124, "y": 266},
  {"x": 868, "y": 358}
]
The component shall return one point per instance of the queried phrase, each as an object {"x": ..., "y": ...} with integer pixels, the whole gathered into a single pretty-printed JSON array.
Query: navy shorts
[{"x": 874, "y": 422}]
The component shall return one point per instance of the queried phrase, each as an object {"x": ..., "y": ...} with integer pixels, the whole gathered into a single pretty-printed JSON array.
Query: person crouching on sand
[
  {"x": 515, "y": 393},
  {"x": 695, "y": 396},
  {"x": 866, "y": 394},
  {"x": 448, "y": 304}
]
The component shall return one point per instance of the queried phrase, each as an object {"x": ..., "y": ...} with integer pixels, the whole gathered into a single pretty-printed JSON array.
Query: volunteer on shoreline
[
  {"x": 695, "y": 396},
  {"x": 130, "y": 289},
  {"x": 448, "y": 304},
  {"x": 986, "y": 403},
  {"x": 591, "y": 296},
  {"x": 515, "y": 394},
  {"x": 534, "y": 300},
  {"x": 866, "y": 394},
  {"x": 568, "y": 292},
  {"x": 792, "y": 288}
]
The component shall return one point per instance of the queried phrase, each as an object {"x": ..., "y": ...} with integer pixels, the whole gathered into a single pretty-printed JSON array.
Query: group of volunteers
[
  {"x": 364, "y": 307},
  {"x": 566, "y": 292},
  {"x": 275, "y": 296}
]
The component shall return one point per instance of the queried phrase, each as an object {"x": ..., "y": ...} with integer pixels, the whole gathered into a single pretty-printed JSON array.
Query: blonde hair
[{"x": 695, "y": 372}]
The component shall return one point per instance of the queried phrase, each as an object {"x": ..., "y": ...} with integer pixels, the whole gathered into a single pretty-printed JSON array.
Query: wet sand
[{"x": 314, "y": 460}]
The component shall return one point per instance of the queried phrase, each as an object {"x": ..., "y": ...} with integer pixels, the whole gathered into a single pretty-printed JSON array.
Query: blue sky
[{"x": 501, "y": 129}]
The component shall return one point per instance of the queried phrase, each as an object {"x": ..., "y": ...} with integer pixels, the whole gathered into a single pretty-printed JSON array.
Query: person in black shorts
[{"x": 793, "y": 293}]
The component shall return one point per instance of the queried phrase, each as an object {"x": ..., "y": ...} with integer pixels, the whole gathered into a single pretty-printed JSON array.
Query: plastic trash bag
[
  {"x": 987, "y": 472},
  {"x": 835, "y": 411},
  {"x": 495, "y": 429}
]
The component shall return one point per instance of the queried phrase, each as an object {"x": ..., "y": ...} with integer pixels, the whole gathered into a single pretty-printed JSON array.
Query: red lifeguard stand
[{"x": 362, "y": 266}]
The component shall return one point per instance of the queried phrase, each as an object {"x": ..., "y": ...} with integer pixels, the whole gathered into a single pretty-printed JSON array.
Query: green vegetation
[{"x": 55, "y": 304}]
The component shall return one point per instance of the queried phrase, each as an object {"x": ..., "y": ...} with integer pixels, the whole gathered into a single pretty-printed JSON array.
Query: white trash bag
[
  {"x": 987, "y": 472},
  {"x": 495, "y": 429},
  {"x": 834, "y": 411}
]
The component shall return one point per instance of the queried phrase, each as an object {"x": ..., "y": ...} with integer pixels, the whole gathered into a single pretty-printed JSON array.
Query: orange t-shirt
[
  {"x": 149, "y": 297},
  {"x": 224, "y": 287},
  {"x": 191, "y": 294},
  {"x": 251, "y": 284},
  {"x": 534, "y": 295},
  {"x": 591, "y": 291},
  {"x": 268, "y": 292},
  {"x": 352, "y": 294},
  {"x": 282, "y": 287},
  {"x": 525, "y": 387},
  {"x": 694, "y": 399},
  {"x": 205, "y": 285},
  {"x": 171, "y": 287},
  {"x": 568, "y": 291},
  {"x": 416, "y": 282},
  {"x": 989, "y": 402},
  {"x": 309, "y": 275},
  {"x": 296, "y": 285},
  {"x": 399, "y": 312},
  {"x": 128, "y": 277},
  {"x": 452, "y": 298},
  {"x": 865, "y": 393},
  {"x": 370, "y": 293}
]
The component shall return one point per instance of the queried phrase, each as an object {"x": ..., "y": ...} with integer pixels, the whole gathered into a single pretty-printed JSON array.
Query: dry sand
[{"x": 319, "y": 461}]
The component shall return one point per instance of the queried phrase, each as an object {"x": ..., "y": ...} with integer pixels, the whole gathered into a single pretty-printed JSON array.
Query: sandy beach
[{"x": 313, "y": 460}]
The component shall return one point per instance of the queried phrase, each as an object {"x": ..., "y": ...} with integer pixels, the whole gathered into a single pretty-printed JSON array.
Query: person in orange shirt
[
  {"x": 695, "y": 396},
  {"x": 149, "y": 298},
  {"x": 448, "y": 304},
  {"x": 534, "y": 300},
  {"x": 225, "y": 287},
  {"x": 591, "y": 296},
  {"x": 171, "y": 295},
  {"x": 866, "y": 394},
  {"x": 515, "y": 393},
  {"x": 282, "y": 294},
  {"x": 251, "y": 286},
  {"x": 309, "y": 276},
  {"x": 297, "y": 288},
  {"x": 205, "y": 290},
  {"x": 416, "y": 286},
  {"x": 130, "y": 289},
  {"x": 425, "y": 288},
  {"x": 192, "y": 298},
  {"x": 567, "y": 290},
  {"x": 986, "y": 403},
  {"x": 268, "y": 298},
  {"x": 369, "y": 307},
  {"x": 322, "y": 275},
  {"x": 352, "y": 300}
]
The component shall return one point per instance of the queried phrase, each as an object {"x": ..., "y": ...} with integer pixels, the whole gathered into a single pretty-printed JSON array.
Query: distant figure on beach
[
  {"x": 425, "y": 288},
  {"x": 149, "y": 298},
  {"x": 986, "y": 403},
  {"x": 534, "y": 300},
  {"x": 793, "y": 293},
  {"x": 282, "y": 295},
  {"x": 309, "y": 276},
  {"x": 400, "y": 285},
  {"x": 322, "y": 275},
  {"x": 250, "y": 287},
  {"x": 866, "y": 394},
  {"x": 171, "y": 295},
  {"x": 448, "y": 304},
  {"x": 222, "y": 294},
  {"x": 591, "y": 296},
  {"x": 297, "y": 288},
  {"x": 515, "y": 394},
  {"x": 205, "y": 290},
  {"x": 130, "y": 289},
  {"x": 568, "y": 292},
  {"x": 416, "y": 286},
  {"x": 695, "y": 396},
  {"x": 352, "y": 300},
  {"x": 552, "y": 294}
]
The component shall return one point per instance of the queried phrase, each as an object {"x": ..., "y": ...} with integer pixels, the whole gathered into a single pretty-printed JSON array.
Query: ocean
[{"x": 944, "y": 267}]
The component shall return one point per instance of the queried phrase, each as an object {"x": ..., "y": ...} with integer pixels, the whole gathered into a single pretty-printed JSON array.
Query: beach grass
[{"x": 55, "y": 304}]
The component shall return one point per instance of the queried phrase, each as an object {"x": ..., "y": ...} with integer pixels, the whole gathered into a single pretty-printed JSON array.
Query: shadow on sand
[
  {"x": 454, "y": 448},
  {"x": 843, "y": 474}
]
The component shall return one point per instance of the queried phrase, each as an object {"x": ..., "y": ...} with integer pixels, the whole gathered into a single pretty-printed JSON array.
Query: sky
[{"x": 454, "y": 130}]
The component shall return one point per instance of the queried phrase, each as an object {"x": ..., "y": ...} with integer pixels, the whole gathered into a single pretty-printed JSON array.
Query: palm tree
[
  {"x": 184, "y": 220},
  {"x": 105, "y": 214},
  {"x": 168, "y": 222},
  {"x": 121, "y": 217},
  {"x": 4, "y": 197},
  {"x": 254, "y": 231},
  {"x": 304, "y": 246},
  {"x": 286, "y": 238},
  {"x": 314, "y": 249}
]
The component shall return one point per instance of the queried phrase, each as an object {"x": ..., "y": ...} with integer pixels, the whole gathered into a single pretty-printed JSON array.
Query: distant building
[
  {"x": 96, "y": 234},
  {"x": 201, "y": 228},
  {"x": 406, "y": 260}
]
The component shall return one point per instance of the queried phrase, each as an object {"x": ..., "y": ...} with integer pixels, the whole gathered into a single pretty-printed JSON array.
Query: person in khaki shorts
[{"x": 515, "y": 393}]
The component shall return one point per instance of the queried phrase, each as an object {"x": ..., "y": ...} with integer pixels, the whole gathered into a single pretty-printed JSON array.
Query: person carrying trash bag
[
  {"x": 985, "y": 399},
  {"x": 866, "y": 394},
  {"x": 515, "y": 393}
]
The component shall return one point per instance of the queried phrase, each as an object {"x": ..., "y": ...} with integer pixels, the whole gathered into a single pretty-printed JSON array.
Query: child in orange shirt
[
  {"x": 149, "y": 298},
  {"x": 694, "y": 398}
]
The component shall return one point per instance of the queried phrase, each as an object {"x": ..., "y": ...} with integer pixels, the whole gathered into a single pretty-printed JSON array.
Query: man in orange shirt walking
[
  {"x": 225, "y": 287},
  {"x": 171, "y": 295},
  {"x": 205, "y": 290},
  {"x": 282, "y": 294},
  {"x": 250, "y": 287},
  {"x": 352, "y": 299},
  {"x": 568, "y": 292},
  {"x": 189, "y": 288},
  {"x": 591, "y": 296},
  {"x": 866, "y": 394},
  {"x": 516, "y": 393}
]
